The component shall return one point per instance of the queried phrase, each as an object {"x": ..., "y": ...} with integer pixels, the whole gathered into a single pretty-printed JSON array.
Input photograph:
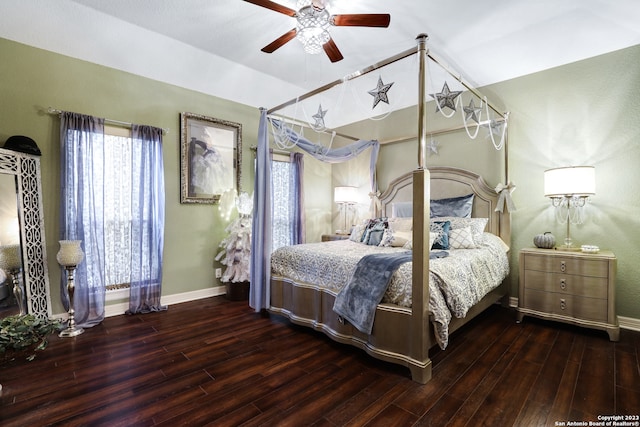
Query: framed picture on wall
[{"x": 210, "y": 158}]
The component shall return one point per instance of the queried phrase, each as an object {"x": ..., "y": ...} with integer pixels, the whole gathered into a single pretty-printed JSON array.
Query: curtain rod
[
  {"x": 254, "y": 148},
  {"x": 56, "y": 111}
]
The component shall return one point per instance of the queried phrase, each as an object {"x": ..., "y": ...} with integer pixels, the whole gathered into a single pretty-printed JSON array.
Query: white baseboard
[
  {"x": 120, "y": 308},
  {"x": 630, "y": 323}
]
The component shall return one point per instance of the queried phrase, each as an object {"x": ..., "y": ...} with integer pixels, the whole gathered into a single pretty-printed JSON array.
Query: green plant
[{"x": 24, "y": 334}]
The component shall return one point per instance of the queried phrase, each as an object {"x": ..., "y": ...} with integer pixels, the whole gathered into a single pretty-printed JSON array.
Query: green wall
[
  {"x": 31, "y": 80},
  {"x": 585, "y": 113}
]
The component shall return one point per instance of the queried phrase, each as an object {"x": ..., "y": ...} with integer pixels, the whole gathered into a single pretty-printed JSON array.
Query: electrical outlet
[{"x": 218, "y": 273}]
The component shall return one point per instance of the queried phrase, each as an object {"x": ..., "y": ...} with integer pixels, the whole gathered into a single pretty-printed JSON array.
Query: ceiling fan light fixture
[{"x": 312, "y": 28}]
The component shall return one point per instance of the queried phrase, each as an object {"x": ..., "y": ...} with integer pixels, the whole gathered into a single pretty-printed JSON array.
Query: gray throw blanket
[{"x": 357, "y": 301}]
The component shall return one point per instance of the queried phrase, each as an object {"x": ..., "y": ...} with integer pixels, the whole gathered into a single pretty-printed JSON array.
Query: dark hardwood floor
[{"x": 216, "y": 362}]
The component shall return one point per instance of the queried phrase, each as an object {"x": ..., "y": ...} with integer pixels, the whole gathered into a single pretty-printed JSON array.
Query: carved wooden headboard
[{"x": 452, "y": 182}]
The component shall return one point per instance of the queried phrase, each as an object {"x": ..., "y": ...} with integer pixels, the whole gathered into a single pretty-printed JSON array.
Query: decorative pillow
[
  {"x": 461, "y": 238},
  {"x": 394, "y": 238},
  {"x": 455, "y": 206},
  {"x": 387, "y": 237},
  {"x": 432, "y": 238},
  {"x": 477, "y": 225},
  {"x": 402, "y": 209},
  {"x": 442, "y": 228},
  {"x": 358, "y": 232},
  {"x": 401, "y": 224},
  {"x": 374, "y": 231}
]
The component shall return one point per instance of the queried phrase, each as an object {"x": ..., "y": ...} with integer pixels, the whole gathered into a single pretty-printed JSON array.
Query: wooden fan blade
[
  {"x": 280, "y": 41},
  {"x": 362, "y": 20},
  {"x": 273, "y": 6},
  {"x": 332, "y": 51}
]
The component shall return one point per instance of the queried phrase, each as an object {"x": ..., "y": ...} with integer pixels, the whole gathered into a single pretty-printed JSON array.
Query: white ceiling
[{"x": 213, "y": 46}]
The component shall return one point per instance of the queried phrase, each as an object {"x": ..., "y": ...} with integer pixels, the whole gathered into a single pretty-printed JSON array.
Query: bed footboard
[{"x": 311, "y": 306}]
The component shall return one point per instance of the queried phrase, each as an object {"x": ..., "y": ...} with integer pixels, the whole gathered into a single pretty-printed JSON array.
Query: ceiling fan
[{"x": 313, "y": 23}]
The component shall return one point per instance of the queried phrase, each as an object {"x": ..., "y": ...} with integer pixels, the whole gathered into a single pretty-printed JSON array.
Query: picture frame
[{"x": 210, "y": 158}]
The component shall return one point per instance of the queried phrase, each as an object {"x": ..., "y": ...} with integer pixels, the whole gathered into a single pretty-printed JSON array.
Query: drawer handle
[
  {"x": 563, "y": 304},
  {"x": 563, "y": 266},
  {"x": 563, "y": 284}
]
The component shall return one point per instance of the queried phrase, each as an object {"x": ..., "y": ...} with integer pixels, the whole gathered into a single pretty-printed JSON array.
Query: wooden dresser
[{"x": 570, "y": 287}]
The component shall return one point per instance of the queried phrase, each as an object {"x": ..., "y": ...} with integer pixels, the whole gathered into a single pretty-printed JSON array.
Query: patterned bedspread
[{"x": 456, "y": 282}]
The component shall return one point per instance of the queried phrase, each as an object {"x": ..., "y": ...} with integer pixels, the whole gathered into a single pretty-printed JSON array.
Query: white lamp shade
[
  {"x": 570, "y": 181},
  {"x": 345, "y": 194},
  {"x": 70, "y": 253},
  {"x": 10, "y": 257}
]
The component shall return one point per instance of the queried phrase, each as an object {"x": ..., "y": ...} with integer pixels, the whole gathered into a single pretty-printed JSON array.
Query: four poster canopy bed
[{"x": 439, "y": 238}]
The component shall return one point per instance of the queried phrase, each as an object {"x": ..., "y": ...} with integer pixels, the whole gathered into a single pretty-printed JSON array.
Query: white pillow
[
  {"x": 477, "y": 225},
  {"x": 357, "y": 232},
  {"x": 461, "y": 238},
  {"x": 395, "y": 239},
  {"x": 401, "y": 224}
]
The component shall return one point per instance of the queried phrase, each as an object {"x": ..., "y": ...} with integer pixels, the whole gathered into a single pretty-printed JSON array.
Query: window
[
  {"x": 117, "y": 207},
  {"x": 112, "y": 196},
  {"x": 281, "y": 175}
]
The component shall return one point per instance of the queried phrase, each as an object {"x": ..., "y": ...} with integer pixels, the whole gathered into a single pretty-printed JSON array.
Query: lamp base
[{"x": 70, "y": 332}]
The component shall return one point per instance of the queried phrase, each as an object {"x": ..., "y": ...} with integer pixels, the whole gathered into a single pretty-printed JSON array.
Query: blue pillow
[
  {"x": 455, "y": 206},
  {"x": 374, "y": 231},
  {"x": 442, "y": 228}
]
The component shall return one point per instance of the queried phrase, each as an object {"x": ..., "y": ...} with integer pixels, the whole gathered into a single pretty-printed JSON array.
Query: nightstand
[
  {"x": 331, "y": 237},
  {"x": 570, "y": 287}
]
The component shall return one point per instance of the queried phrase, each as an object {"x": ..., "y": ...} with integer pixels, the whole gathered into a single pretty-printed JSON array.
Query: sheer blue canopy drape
[
  {"x": 261, "y": 227},
  {"x": 87, "y": 189},
  {"x": 261, "y": 237},
  {"x": 333, "y": 155}
]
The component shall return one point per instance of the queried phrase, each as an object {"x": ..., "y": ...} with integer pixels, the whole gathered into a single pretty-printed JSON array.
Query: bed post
[
  {"x": 422, "y": 116},
  {"x": 420, "y": 278},
  {"x": 420, "y": 272}
]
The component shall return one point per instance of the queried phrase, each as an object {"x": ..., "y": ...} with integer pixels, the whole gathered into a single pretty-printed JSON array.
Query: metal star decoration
[
  {"x": 446, "y": 98},
  {"x": 319, "y": 117},
  {"x": 380, "y": 92},
  {"x": 471, "y": 112},
  {"x": 432, "y": 146},
  {"x": 495, "y": 128}
]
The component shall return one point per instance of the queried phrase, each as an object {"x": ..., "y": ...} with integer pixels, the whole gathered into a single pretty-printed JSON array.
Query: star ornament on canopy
[
  {"x": 471, "y": 112},
  {"x": 432, "y": 147},
  {"x": 495, "y": 128},
  {"x": 319, "y": 117},
  {"x": 446, "y": 98},
  {"x": 380, "y": 92}
]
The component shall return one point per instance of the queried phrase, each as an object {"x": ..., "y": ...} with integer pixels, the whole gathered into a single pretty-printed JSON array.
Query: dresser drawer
[
  {"x": 586, "y": 286},
  {"x": 566, "y": 305},
  {"x": 567, "y": 265}
]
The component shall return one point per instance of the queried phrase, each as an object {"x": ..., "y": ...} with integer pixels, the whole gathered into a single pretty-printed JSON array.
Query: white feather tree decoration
[{"x": 236, "y": 253}]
